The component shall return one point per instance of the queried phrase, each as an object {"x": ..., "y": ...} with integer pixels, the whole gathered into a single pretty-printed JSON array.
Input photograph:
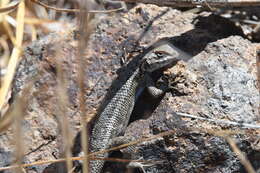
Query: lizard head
[{"x": 163, "y": 56}]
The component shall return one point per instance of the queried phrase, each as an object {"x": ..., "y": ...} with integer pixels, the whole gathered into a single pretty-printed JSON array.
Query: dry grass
[
  {"x": 13, "y": 115},
  {"x": 221, "y": 133},
  {"x": 15, "y": 112}
]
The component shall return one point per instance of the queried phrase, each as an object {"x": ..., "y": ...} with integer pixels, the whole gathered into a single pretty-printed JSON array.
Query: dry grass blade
[
  {"x": 219, "y": 121},
  {"x": 54, "y": 8},
  {"x": 132, "y": 143},
  {"x": 243, "y": 159},
  {"x": 20, "y": 24},
  {"x": 213, "y": 132},
  {"x": 19, "y": 102},
  {"x": 8, "y": 30},
  {"x": 220, "y": 133},
  {"x": 84, "y": 30},
  {"x": 258, "y": 69},
  {"x": 72, "y": 159},
  {"x": 258, "y": 73},
  {"x": 7, "y": 119},
  {"x": 38, "y": 163},
  {"x": 7, "y": 80},
  {"x": 34, "y": 33},
  {"x": 18, "y": 115},
  {"x": 14, "y": 116},
  {"x": 35, "y": 21},
  {"x": 127, "y": 160},
  {"x": 12, "y": 6},
  {"x": 63, "y": 105},
  {"x": 92, "y": 155},
  {"x": 6, "y": 53}
]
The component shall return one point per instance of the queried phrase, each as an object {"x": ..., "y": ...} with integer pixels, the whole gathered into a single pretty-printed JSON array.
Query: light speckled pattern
[
  {"x": 113, "y": 120},
  {"x": 112, "y": 125}
]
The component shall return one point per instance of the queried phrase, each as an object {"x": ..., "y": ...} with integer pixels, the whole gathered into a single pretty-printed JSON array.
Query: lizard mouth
[{"x": 157, "y": 62}]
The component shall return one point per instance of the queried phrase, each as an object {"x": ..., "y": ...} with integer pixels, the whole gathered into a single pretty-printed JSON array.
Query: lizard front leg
[{"x": 158, "y": 89}]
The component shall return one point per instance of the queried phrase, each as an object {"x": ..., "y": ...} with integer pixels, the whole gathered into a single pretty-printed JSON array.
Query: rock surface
[{"x": 220, "y": 83}]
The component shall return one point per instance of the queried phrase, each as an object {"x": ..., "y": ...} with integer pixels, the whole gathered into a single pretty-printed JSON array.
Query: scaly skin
[{"x": 113, "y": 120}]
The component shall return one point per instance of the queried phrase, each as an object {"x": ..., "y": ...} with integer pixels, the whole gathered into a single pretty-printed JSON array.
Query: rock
[{"x": 220, "y": 84}]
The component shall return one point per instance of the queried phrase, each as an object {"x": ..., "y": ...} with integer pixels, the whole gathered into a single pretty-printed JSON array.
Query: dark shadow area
[
  {"x": 119, "y": 167},
  {"x": 207, "y": 29},
  {"x": 254, "y": 158},
  {"x": 218, "y": 26},
  {"x": 247, "y": 18}
]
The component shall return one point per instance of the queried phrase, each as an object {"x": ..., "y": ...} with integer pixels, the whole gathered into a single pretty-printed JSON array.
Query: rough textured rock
[
  {"x": 217, "y": 79},
  {"x": 220, "y": 83}
]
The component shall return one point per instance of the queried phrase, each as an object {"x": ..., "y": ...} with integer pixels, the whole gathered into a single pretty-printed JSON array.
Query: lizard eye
[{"x": 160, "y": 54}]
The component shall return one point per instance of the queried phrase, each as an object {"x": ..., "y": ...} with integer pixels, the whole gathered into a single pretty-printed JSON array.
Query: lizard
[{"x": 112, "y": 122}]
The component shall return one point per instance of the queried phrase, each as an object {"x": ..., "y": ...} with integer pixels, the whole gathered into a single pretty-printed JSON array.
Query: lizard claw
[{"x": 141, "y": 165}]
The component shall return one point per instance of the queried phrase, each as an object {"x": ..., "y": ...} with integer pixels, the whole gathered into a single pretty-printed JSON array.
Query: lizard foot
[
  {"x": 140, "y": 165},
  {"x": 171, "y": 83}
]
